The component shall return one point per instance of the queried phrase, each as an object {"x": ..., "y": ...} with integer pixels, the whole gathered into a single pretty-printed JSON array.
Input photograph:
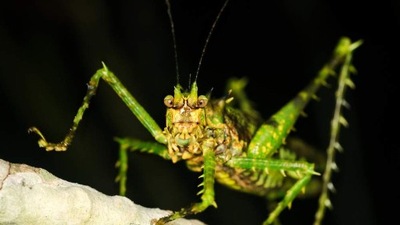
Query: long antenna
[
  {"x": 173, "y": 39},
  {"x": 208, "y": 38}
]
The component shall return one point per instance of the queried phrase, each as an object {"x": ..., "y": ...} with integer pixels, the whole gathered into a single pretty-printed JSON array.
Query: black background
[{"x": 50, "y": 49}]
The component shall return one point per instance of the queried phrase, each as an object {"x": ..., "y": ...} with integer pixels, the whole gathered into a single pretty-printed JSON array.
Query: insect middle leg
[{"x": 130, "y": 144}]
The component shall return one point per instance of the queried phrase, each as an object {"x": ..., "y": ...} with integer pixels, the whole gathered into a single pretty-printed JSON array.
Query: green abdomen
[{"x": 252, "y": 182}]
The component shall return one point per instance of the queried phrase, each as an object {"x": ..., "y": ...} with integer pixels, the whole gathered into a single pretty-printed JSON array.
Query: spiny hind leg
[{"x": 128, "y": 144}]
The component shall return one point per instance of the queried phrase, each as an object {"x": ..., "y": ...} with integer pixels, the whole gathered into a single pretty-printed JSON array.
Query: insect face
[{"x": 185, "y": 121}]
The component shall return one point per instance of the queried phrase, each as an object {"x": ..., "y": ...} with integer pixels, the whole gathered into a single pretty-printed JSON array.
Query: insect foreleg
[
  {"x": 298, "y": 169},
  {"x": 272, "y": 164},
  {"x": 122, "y": 92},
  {"x": 207, "y": 192}
]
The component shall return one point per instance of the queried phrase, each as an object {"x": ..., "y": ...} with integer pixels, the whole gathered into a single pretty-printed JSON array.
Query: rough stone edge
[{"x": 30, "y": 195}]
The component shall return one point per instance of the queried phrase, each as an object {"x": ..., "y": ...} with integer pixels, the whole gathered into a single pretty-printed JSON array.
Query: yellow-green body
[{"x": 224, "y": 139}]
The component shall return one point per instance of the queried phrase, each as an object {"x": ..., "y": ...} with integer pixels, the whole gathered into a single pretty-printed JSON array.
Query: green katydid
[{"x": 226, "y": 140}]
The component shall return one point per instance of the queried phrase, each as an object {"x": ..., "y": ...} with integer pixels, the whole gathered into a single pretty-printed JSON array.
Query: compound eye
[
  {"x": 169, "y": 101},
  {"x": 202, "y": 101}
]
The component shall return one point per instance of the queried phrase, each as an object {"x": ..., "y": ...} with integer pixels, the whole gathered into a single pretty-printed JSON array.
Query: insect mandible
[{"x": 226, "y": 140}]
